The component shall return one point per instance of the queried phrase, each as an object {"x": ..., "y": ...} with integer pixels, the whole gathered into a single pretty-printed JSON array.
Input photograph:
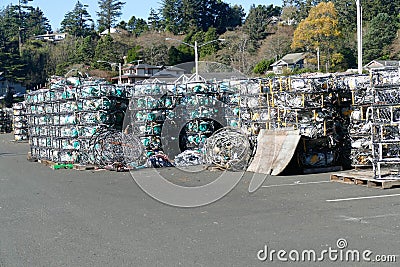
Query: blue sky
[{"x": 55, "y": 10}]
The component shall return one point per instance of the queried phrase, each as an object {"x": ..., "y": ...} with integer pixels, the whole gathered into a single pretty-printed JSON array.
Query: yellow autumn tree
[{"x": 318, "y": 31}]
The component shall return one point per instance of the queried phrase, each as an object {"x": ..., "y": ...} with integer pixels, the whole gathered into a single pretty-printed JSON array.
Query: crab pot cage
[
  {"x": 66, "y": 120},
  {"x": 5, "y": 120},
  {"x": 20, "y": 122}
]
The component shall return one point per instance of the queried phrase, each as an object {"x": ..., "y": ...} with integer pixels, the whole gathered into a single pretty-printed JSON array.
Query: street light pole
[
  {"x": 196, "y": 59},
  {"x": 120, "y": 73},
  {"x": 359, "y": 35},
  {"x": 196, "y": 53}
]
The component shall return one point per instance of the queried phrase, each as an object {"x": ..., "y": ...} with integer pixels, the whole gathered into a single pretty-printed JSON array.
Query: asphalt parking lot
[{"x": 102, "y": 218}]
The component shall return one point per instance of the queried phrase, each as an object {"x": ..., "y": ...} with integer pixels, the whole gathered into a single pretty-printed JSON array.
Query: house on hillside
[
  {"x": 289, "y": 61},
  {"x": 374, "y": 64},
  {"x": 51, "y": 37},
  {"x": 140, "y": 72},
  {"x": 134, "y": 73},
  {"x": 114, "y": 31}
]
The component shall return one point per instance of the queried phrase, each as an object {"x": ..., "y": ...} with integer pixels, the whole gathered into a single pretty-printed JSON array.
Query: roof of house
[
  {"x": 382, "y": 63},
  {"x": 173, "y": 68},
  {"x": 289, "y": 59},
  {"x": 142, "y": 66}
]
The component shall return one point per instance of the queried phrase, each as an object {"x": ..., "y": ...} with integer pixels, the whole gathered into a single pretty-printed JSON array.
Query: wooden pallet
[
  {"x": 365, "y": 178},
  {"x": 30, "y": 158},
  {"x": 81, "y": 167},
  {"x": 57, "y": 166}
]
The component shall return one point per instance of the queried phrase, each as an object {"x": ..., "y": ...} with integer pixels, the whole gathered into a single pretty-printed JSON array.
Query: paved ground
[{"x": 72, "y": 218}]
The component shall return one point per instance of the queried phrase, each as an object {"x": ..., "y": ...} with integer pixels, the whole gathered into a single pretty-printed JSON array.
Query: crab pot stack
[
  {"x": 20, "y": 122},
  {"x": 251, "y": 110},
  {"x": 5, "y": 121},
  {"x": 174, "y": 119},
  {"x": 65, "y": 119},
  {"x": 360, "y": 120},
  {"x": 149, "y": 107},
  {"x": 100, "y": 116},
  {"x": 315, "y": 106},
  {"x": 385, "y": 120},
  {"x": 200, "y": 111}
]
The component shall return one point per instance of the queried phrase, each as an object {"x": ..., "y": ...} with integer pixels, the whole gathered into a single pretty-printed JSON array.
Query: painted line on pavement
[
  {"x": 360, "y": 198},
  {"x": 295, "y": 183}
]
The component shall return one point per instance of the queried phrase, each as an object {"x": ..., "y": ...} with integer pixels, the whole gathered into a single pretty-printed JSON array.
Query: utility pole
[
  {"x": 359, "y": 35},
  {"x": 196, "y": 59},
  {"x": 196, "y": 47}
]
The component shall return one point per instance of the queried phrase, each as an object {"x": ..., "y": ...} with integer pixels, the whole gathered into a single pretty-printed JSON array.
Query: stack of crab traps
[
  {"x": 64, "y": 119},
  {"x": 20, "y": 122}
]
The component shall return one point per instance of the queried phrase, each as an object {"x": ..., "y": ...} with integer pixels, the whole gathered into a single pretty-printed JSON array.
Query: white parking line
[
  {"x": 295, "y": 183},
  {"x": 359, "y": 198}
]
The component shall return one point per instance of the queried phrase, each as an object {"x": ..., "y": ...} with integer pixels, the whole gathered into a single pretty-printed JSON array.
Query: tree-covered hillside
[{"x": 252, "y": 41}]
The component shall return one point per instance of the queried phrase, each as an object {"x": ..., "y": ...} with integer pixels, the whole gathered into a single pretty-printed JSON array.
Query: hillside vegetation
[{"x": 252, "y": 41}]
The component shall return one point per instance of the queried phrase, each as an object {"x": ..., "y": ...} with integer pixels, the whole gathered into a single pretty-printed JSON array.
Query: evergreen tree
[
  {"x": 8, "y": 27},
  {"x": 262, "y": 66},
  {"x": 171, "y": 12},
  {"x": 36, "y": 23},
  {"x": 210, "y": 48},
  {"x": 76, "y": 21},
  {"x": 303, "y": 7},
  {"x": 154, "y": 21},
  {"x": 372, "y": 8},
  {"x": 105, "y": 51},
  {"x": 174, "y": 56},
  {"x": 110, "y": 11},
  {"x": 36, "y": 55},
  {"x": 137, "y": 26},
  {"x": 381, "y": 32},
  {"x": 85, "y": 51},
  {"x": 11, "y": 64},
  {"x": 256, "y": 24},
  {"x": 183, "y": 16},
  {"x": 135, "y": 53},
  {"x": 122, "y": 25},
  {"x": 235, "y": 17}
]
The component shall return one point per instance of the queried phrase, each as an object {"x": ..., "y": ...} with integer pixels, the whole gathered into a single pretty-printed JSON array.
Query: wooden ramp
[
  {"x": 275, "y": 149},
  {"x": 365, "y": 178}
]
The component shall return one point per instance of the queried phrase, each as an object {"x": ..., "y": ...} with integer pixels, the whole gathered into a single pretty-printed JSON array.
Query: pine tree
[
  {"x": 154, "y": 21},
  {"x": 105, "y": 51},
  {"x": 171, "y": 12},
  {"x": 110, "y": 11},
  {"x": 137, "y": 26},
  {"x": 256, "y": 24},
  {"x": 76, "y": 21},
  {"x": 85, "y": 52},
  {"x": 381, "y": 32}
]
